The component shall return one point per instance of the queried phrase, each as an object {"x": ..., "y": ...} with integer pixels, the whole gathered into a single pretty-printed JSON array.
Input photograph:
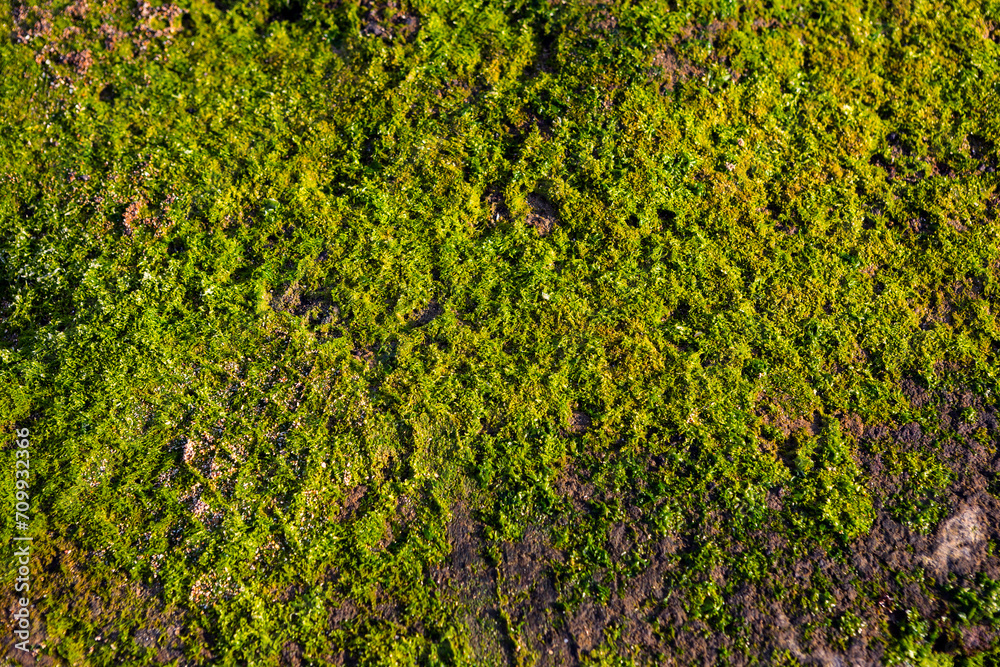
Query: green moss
[{"x": 285, "y": 284}]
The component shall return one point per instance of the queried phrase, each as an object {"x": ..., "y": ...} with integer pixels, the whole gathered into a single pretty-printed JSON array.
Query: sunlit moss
[{"x": 282, "y": 285}]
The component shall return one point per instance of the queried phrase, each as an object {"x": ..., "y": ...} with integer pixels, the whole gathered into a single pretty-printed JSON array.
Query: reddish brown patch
[
  {"x": 674, "y": 69},
  {"x": 57, "y": 51},
  {"x": 669, "y": 67},
  {"x": 77, "y": 10},
  {"x": 352, "y": 503},
  {"x": 291, "y": 654},
  {"x": 80, "y": 61},
  {"x": 388, "y": 20}
]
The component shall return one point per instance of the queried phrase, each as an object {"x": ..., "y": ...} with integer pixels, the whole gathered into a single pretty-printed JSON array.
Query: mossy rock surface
[{"x": 502, "y": 333}]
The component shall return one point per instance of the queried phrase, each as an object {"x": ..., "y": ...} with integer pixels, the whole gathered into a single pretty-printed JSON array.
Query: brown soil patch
[
  {"x": 579, "y": 422},
  {"x": 819, "y": 608},
  {"x": 291, "y": 654},
  {"x": 316, "y": 306},
  {"x": 602, "y": 20},
  {"x": 352, "y": 503},
  {"x": 470, "y": 578},
  {"x": 389, "y": 20},
  {"x": 54, "y": 36},
  {"x": 497, "y": 205},
  {"x": 670, "y": 66},
  {"x": 427, "y": 314},
  {"x": 543, "y": 215},
  {"x": 118, "y": 610},
  {"x": 781, "y": 414},
  {"x": 673, "y": 68}
]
